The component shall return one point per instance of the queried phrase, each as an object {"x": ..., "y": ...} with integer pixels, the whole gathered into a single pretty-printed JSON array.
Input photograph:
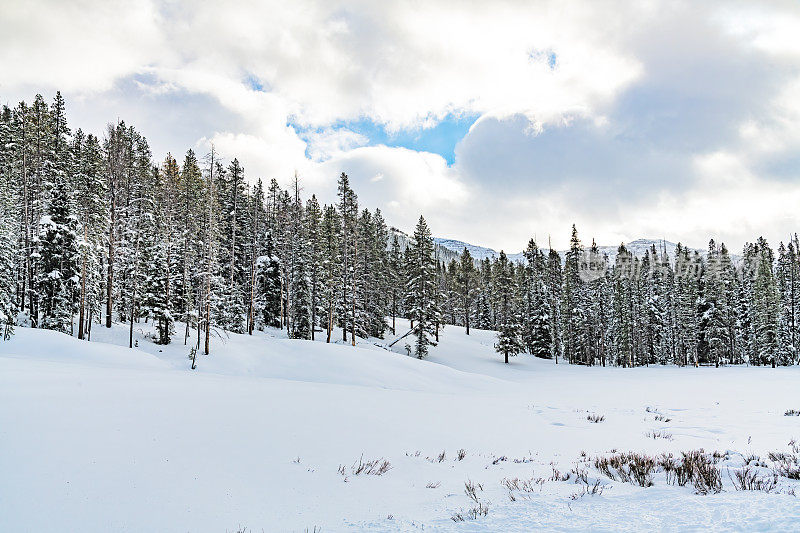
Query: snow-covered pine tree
[
  {"x": 316, "y": 259},
  {"x": 91, "y": 211},
  {"x": 58, "y": 249},
  {"x": 364, "y": 274},
  {"x": 190, "y": 246},
  {"x": 536, "y": 335},
  {"x": 256, "y": 227},
  {"x": 381, "y": 288},
  {"x": 509, "y": 339},
  {"x": 421, "y": 288},
  {"x": 330, "y": 270},
  {"x": 162, "y": 252},
  {"x": 622, "y": 307},
  {"x": 484, "y": 315},
  {"x": 730, "y": 292},
  {"x": 299, "y": 286},
  {"x": 301, "y": 297},
  {"x": 211, "y": 295},
  {"x": 596, "y": 303},
  {"x": 554, "y": 283},
  {"x": 786, "y": 274},
  {"x": 268, "y": 286},
  {"x": 9, "y": 225},
  {"x": 452, "y": 314},
  {"x": 394, "y": 279},
  {"x": 232, "y": 247},
  {"x": 466, "y": 282},
  {"x": 348, "y": 250},
  {"x": 766, "y": 305},
  {"x": 572, "y": 303}
]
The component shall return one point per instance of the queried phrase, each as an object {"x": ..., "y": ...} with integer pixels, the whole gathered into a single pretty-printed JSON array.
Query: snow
[{"x": 98, "y": 437}]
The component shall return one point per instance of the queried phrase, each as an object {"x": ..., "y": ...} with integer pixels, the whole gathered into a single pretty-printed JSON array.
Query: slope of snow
[{"x": 97, "y": 437}]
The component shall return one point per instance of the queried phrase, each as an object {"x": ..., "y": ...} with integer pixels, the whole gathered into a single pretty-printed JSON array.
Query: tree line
[{"x": 95, "y": 232}]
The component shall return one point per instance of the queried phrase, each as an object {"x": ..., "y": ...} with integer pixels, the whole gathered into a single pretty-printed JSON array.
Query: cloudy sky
[{"x": 498, "y": 121}]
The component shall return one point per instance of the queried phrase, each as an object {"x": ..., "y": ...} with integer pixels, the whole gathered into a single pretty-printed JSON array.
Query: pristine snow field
[{"x": 98, "y": 437}]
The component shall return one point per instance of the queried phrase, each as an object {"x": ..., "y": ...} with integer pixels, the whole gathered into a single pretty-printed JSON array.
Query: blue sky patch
[{"x": 440, "y": 139}]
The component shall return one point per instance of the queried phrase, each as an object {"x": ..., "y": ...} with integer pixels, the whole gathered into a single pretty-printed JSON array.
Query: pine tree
[
  {"x": 421, "y": 288},
  {"x": 268, "y": 280},
  {"x": 189, "y": 224},
  {"x": 91, "y": 210},
  {"x": 572, "y": 304},
  {"x": 766, "y": 307},
  {"x": 315, "y": 260},
  {"x": 622, "y": 307},
  {"x": 395, "y": 276},
  {"x": 554, "y": 283},
  {"x": 330, "y": 268},
  {"x": 58, "y": 249},
  {"x": 509, "y": 340},
  {"x": 787, "y": 278},
  {"x": 466, "y": 281},
  {"x": 8, "y": 241},
  {"x": 536, "y": 336},
  {"x": 348, "y": 250}
]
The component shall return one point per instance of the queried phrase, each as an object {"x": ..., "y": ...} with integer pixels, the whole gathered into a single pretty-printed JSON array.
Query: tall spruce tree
[
  {"x": 509, "y": 339},
  {"x": 421, "y": 289}
]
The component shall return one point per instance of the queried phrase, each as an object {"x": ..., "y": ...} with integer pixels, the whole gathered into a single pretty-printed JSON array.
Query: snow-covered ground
[{"x": 98, "y": 437}]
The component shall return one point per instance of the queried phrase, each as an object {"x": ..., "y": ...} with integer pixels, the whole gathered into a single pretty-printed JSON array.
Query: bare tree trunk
[
  {"x": 26, "y": 280},
  {"x": 135, "y": 288},
  {"x": 394, "y": 311},
  {"x": 283, "y": 310},
  {"x": 466, "y": 311},
  {"x": 208, "y": 315},
  {"x": 199, "y": 314},
  {"x": 83, "y": 289},
  {"x": 110, "y": 274},
  {"x": 355, "y": 262},
  {"x": 330, "y": 319},
  {"x": 253, "y": 254},
  {"x": 250, "y": 317}
]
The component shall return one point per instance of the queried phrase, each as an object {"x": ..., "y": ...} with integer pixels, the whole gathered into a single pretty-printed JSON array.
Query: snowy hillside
[{"x": 271, "y": 434}]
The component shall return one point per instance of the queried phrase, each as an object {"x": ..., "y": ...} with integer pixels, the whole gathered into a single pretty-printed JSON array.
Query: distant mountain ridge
[
  {"x": 637, "y": 247},
  {"x": 451, "y": 249}
]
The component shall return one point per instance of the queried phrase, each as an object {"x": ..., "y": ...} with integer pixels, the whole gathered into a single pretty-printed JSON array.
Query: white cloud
[
  {"x": 323, "y": 145},
  {"x": 630, "y": 119}
]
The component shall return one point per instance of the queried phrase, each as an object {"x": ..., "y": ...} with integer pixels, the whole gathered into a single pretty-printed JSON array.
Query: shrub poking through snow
[
  {"x": 695, "y": 467},
  {"x": 658, "y": 435},
  {"x": 792, "y": 412},
  {"x": 748, "y": 478},
  {"x": 523, "y": 485},
  {"x": 595, "y": 418},
  {"x": 628, "y": 467},
  {"x": 581, "y": 475},
  {"x": 480, "y": 509},
  {"x": 375, "y": 467},
  {"x": 662, "y": 418},
  {"x": 471, "y": 489},
  {"x": 441, "y": 456},
  {"x": 557, "y": 475},
  {"x": 786, "y": 464},
  {"x": 588, "y": 490},
  {"x": 461, "y": 454}
]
